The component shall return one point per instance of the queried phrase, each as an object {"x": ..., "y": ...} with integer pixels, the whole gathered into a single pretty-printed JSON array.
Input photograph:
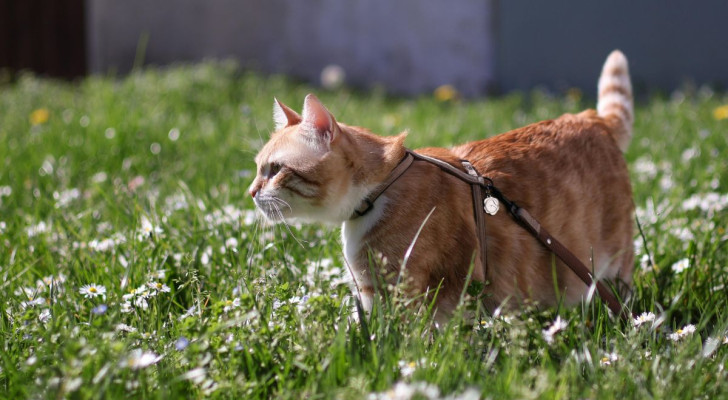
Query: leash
[{"x": 490, "y": 204}]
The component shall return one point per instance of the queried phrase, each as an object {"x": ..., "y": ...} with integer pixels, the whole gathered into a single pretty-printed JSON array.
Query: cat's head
[{"x": 308, "y": 169}]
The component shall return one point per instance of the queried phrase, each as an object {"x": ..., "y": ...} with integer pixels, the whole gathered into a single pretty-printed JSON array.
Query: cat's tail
[{"x": 615, "y": 98}]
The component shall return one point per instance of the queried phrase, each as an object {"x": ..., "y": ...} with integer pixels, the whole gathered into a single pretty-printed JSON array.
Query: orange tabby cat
[{"x": 568, "y": 172}]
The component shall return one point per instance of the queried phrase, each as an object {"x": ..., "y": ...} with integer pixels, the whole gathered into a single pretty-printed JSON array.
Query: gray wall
[
  {"x": 180, "y": 30},
  {"x": 412, "y": 46},
  {"x": 564, "y": 43},
  {"x": 407, "y": 45}
]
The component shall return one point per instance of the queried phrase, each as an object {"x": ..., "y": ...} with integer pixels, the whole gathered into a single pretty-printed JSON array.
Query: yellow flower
[
  {"x": 574, "y": 94},
  {"x": 39, "y": 116},
  {"x": 721, "y": 112},
  {"x": 390, "y": 120},
  {"x": 446, "y": 93}
]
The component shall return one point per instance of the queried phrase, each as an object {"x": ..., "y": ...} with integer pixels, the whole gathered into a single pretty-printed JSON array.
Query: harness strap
[
  {"x": 478, "y": 184},
  {"x": 477, "y": 190},
  {"x": 539, "y": 232},
  {"x": 366, "y": 205}
]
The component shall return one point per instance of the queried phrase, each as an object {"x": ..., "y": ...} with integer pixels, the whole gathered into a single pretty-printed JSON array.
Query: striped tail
[{"x": 615, "y": 98}]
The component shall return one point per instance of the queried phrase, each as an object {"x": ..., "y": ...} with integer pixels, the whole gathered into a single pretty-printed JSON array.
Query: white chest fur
[{"x": 352, "y": 236}]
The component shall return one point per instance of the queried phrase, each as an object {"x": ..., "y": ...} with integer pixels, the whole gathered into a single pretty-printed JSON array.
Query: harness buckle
[{"x": 369, "y": 207}]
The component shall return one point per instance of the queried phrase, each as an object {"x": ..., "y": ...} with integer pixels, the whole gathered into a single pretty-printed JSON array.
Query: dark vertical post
[{"x": 44, "y": 36}]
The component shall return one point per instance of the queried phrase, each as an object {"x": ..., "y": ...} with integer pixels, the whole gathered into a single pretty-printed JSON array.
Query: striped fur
[{"x": 615, "y": 98}]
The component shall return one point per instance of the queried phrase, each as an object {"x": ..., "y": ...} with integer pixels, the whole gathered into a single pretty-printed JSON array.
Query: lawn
[{"x": 132, "y": 262}]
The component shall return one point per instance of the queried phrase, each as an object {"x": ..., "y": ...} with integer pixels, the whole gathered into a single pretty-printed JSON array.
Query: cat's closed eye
[{"x": 271, "y": 170}]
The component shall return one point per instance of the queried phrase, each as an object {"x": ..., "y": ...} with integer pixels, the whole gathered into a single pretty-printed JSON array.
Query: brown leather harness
[{"x": 484, "y": 186}]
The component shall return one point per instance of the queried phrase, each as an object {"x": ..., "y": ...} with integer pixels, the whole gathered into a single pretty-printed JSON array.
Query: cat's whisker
[
  {"x": 251, "y": 243},
  {"x": 285, "y": 223},
  {"x": 278, "y": 200},
  {"x": 256, "y": 246}
]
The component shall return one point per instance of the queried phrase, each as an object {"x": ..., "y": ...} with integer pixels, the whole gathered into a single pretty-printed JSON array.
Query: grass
[{"x": 138, "y": 185}]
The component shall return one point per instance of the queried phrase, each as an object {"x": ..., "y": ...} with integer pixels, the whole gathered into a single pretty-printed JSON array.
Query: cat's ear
[
  {"x": 283, "y": 115},
  {"x": 318, "y": 119}
]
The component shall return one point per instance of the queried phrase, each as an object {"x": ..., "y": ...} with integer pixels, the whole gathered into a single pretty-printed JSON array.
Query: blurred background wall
[
  {"x": 564, "y": 43},
  {"x": 407, "y": 46}
]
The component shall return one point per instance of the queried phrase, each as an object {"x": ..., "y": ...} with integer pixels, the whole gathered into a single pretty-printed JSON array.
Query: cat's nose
[{"x": 254, "y": 188}]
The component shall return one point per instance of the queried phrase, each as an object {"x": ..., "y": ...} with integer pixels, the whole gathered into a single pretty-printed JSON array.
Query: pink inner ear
[{"x": 315, "y": 114}]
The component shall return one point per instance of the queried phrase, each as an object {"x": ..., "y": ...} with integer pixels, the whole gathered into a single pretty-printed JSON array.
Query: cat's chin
[
  {"x": 298, "y": 221},
  {"x": 276, "y": 217},
  {"x": 312, "y": 219}
]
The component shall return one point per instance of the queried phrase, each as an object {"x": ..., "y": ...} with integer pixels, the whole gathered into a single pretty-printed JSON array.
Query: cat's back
[
  {"x": 560, "y": 140},
  {"x": 570, "y": 154}
]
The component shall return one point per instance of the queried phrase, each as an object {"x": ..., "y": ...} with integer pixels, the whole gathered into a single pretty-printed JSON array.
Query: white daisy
[
  {"x": 643, "y": 318},
  {"x": 608, "y": 359},
  {"x": 125, "y": 328},
  {"x": 682, "y": 333},
  {"x": 680, "y": 266},
  {"x": 141, "y": 302},
  {"x": 51, "y": 280},
  {"x": 147, "y": 230},
  {"x": 32, "y": 302},
  {"x": 558, "y": 326},
  {"x": 44, "y": 316},
  {"x": 196, "y": 375},
  {"x": 142, "y": 292},
  {"x": 407, "y": 368},
  {"x": 405, "y": 390},
  {"x": 231, "y": 244},
  {"x": 688, "y": 329},
  {"x": 126, "y": 307},
  {"x": 139, "y": 359},
  {"x": 92, "y": 290},
  {"x": 161, "y": 274},
  {"x": 158, "y": 286},
  {"x": 38, "y": 229},
  {"x": 231, "y": 304}
]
